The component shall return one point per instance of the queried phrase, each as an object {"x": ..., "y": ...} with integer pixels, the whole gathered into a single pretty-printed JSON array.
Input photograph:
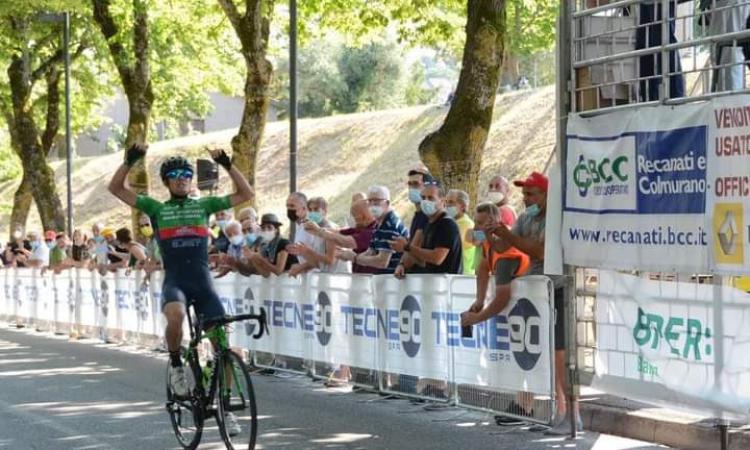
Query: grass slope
[{"x": 337, "y": 156}]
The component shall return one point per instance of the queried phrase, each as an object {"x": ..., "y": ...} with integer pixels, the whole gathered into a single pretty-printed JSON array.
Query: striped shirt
[{"x": 389, "y": 229}]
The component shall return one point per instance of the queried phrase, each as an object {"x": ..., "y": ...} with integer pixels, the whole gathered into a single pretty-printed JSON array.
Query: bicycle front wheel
[
  {"x": 237, "y": 413},
  {"x": 186, "y": 413}
]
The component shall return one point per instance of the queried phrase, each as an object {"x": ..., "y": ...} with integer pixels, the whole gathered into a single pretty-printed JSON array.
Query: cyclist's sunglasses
[{"x": 180, "y": 173}]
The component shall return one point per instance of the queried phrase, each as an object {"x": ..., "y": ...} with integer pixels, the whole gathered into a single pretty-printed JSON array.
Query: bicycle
[{"x": 225, "y": 374}]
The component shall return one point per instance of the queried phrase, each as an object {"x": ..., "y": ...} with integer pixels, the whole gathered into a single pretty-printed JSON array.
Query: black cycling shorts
[{"x": 192, "y": 286}]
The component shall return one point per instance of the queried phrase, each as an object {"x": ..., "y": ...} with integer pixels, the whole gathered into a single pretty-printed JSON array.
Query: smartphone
[{"x": 467, "y": 332}]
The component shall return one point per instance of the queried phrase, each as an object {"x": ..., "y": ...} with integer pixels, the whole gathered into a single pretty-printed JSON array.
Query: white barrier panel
[
  {"x": 88, "y": 301},
  {"x": 244, "y": 295},
  {"x": 342, "y": 319},
  {"x": 411, "y": 329},
  {"x": 511, "y": 351},
  {"x": 657, "y": 341}
]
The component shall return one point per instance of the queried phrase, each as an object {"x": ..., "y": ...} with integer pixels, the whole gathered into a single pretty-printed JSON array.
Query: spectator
[
  {"x": 14, "y": 249},
  {"x": 135, "y": 252},
  {"x": 727, "y": 16},
  {"x": 248, "y": 218},
  {"x": 220, "y": 243},
  {"x": 232, "y": 260},
  {"x": 150, "y": 243},
  {"x": 389, "y": 226},
  {"x": 498, "y": 194},
  {"x": 527, "y": 235},
  {"x": 80, "y": 251},
  {"x": 355, "y": 197},
  {"x": 351, "y": 241},
  {"x": 418, "y": 176},
  {"x": 456, "y": 205},
  {"x": 272, "y": 257},
  {"x": 317, "y": 212},
  {"x": 50, "y": 239},
  {"x": 311, "y": 251},
  {"x": 504, "y": 267},
  {"x": 58, "y": 256},
  {"x": 648, "y": 34},
  {"x": 117, "y": 256},
  {"x": 440, "y": 248},
  {"x": 99, "y": 247},
  {"x": 39, "y": 254},
  {"x": 246, "y": 214}
]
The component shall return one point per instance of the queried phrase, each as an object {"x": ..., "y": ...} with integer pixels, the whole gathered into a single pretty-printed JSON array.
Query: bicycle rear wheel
[
  {"x": 237, "y": 397},
  {"x": 186, "y": 414}
]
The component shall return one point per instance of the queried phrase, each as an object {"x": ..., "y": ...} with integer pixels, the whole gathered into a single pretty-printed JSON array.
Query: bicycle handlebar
[{"x": 261, "y": 318}]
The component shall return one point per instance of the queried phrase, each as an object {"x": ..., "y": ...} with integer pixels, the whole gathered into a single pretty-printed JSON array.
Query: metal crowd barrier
[{"x": 398, "y": 337}]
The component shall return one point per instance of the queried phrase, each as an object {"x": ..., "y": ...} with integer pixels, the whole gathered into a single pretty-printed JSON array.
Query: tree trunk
[
  {"x": 252, "y": 29},
  {"x": 136, "y": 82},
  {"x": 454, "y": 152},
  {"x": 21, "y": 204},
  {"x": 53, "y": 109},
  {"x": 33, "y": 160}
]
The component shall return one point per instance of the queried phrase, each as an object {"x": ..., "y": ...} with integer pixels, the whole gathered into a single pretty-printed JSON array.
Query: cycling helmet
[{"x": 173, "y": 162}]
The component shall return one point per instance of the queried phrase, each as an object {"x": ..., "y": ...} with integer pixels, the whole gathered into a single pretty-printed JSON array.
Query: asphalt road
[{"x": 58, "y": 394}]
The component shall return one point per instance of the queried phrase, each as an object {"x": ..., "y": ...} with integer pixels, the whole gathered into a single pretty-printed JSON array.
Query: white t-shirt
[
  {"x": 301, "y": 236},
  {"x": 41, "y": 253}
]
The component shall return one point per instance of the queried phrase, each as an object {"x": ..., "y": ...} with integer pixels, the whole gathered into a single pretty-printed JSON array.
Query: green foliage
[
  {"x": 335, "y": 78},
  {"x": 531, "y": 25}
]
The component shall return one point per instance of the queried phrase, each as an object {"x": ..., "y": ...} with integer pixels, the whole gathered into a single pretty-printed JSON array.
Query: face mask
[
  {"x": 51, "y": 245},
  {"x": 415, "y": 195},
  {"x": 236, "y": 239},
  {"x": 428, "y": 207},
  {"x": 221, "y": 223},
  {"x": 495, "y": 197},
  {"x": 35, "y": 245},
  {"x": 147, "y": 231},
  {"x": 479, "y": 236},
  {"x": 267, "y": 236},
  {"x": 291, "y": 214},
  {"x": 315, "y": 216},
  {"x": 376, "y": 211},
  {"x": 451, "y": 211},
  {"x": 250, "y": 239},
  {"x": 532, "y": 210}
]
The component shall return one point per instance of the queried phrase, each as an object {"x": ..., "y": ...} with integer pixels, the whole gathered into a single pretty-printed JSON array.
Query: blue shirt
[{"x": 389, "y": 229}]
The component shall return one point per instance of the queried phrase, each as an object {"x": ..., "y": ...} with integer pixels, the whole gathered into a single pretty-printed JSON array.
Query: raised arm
[
  {"x": 118, "y": 186},
  {"x": 243, "y": 191}
]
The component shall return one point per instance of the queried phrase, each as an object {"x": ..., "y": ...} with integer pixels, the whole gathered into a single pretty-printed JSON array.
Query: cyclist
[{"x": 181, "y": 225}]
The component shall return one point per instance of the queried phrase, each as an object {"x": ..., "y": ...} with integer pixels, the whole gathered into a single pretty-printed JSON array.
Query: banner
[
  {"x": 344, "y": 320},
  {"x": 635, "y": 190},
  {"x": 512, "y": 348},
  {"x": 673, "y": 343},
  {"x": 409, "y": 330}
]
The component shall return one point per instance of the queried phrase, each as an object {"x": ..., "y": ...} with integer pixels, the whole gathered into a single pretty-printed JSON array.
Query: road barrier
[{"x": 399, "y": 337}]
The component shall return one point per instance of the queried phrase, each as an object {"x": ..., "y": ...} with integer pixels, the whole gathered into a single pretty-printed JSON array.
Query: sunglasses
[{"x": 186, "y": 174}]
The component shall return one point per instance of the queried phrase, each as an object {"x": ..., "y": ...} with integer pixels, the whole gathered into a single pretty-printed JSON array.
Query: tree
[
  {"x": 134, "y": 70},
  {"x": 454, "y": 152},
  {"x": 531, "y": 30},
  {"x": 33, "y": 53},
  {"x": 168, "y": 56},
  {"x": 252, "y": 28}
]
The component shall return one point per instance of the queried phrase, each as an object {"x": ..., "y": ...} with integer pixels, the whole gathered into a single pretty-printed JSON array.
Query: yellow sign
[{"x": 727, "y": 228}]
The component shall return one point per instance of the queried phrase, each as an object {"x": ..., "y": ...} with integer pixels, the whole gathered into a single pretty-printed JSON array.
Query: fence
[
  {"x": 628, "y": 52},
  {"x": 398, "y": 337}
]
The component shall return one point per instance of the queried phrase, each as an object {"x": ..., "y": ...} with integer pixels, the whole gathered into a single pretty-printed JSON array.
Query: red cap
[
  {"x": 536, "y": 179},
  {"x": 50, "y": 235}
]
